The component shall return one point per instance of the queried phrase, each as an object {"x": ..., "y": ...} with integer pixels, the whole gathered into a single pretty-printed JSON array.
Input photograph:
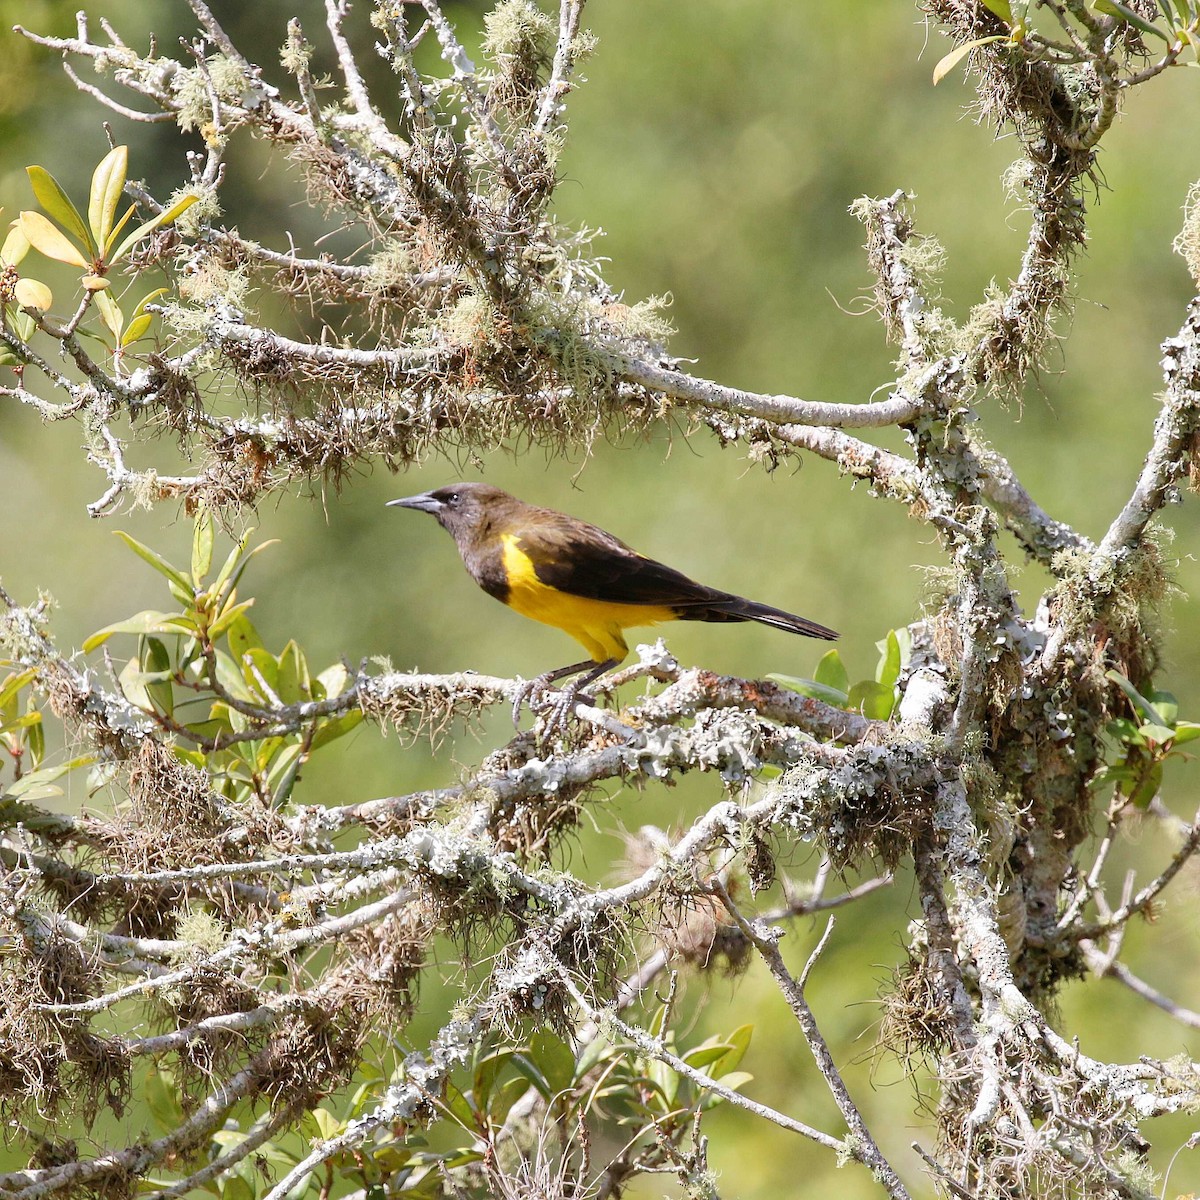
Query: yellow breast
[{"x": 594, "y": 624}]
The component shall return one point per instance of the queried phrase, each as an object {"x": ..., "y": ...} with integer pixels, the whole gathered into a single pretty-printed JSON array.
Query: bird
[{"x": 564, "y": 572}]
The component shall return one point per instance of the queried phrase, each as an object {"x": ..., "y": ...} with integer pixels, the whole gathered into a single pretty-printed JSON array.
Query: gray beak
[{"x": 425, "y": 502}]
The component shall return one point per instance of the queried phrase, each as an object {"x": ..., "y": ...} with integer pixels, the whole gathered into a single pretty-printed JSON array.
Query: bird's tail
[{"x": 735, "y": 608}]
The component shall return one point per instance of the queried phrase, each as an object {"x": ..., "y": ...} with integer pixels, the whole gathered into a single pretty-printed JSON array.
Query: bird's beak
[{"x": 425, "y": 502}]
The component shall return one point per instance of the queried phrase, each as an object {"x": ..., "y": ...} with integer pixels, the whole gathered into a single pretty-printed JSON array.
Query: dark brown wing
[{"x": 584, "y": 560}]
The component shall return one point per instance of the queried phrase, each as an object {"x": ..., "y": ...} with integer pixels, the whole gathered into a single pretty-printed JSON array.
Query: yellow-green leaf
[
  {"x": 1114, "y": 8},
  {"x": 202, "y": 546},
  {"x": 951, "y": 60},
  {"x": 116, "y": 233},
  {"x": 141, "y": 319},
  {"x": 229, "y": 614},
  {"x": 30, "y": 293},
  {"x": 110, "y": 313},
  {"x": 13, "y": 684},
  {"x": 16, "y": 245},
  {"x": 143, "y": 622},
  {"x": 137, "y": 328},
  {"x": 57, "y": 203},
  {"x": 95, "y": 283},
  {"x": 159, "y": 563},
  {"x": 148, "y": 227},
  {"x": 49, "y": 240},
  {"x": 108, "y": 182}
]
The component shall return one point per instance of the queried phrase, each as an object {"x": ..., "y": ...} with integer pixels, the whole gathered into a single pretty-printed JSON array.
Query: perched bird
[{"x": 565, "y": 572}]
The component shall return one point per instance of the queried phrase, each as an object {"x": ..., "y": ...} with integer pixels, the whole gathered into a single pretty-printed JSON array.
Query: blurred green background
[{"x": 718, "y": 145}]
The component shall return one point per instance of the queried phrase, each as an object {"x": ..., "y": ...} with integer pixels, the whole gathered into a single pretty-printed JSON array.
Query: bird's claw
[
  {"x": 528, "y": 692},
  {"x": 558, "y": 705}
]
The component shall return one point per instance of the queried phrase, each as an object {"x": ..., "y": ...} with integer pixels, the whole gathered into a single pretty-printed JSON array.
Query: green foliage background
[{"x": 718, "y": 144}]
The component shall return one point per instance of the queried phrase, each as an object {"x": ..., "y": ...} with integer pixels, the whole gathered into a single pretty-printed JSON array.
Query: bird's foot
[
  {"x": 552, "y": 706},
  {"x": 530, "y": 691},
  {"x": 565, "y": 700},
  {"x": 560, "y": 707}
]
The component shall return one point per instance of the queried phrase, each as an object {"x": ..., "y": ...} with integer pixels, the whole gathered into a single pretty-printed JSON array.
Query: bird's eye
[{"x": 453, "y": 500}]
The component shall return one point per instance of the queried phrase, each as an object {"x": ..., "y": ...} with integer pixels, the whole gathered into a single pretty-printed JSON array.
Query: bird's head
[{"x": 464, "y": 510}]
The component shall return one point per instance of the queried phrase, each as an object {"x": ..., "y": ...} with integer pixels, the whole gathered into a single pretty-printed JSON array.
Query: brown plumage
[{"x": 567, "y": 573}]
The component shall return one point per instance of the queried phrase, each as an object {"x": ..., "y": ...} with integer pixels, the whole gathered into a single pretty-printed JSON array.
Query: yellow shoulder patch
[{"x": 594, "y": 624}]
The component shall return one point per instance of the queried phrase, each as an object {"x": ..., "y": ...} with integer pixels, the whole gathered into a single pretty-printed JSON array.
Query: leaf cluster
[
  {"x": 1143, "y": 743},
  {"x": 202, "y": 674},
  {"x": 875, "y": 698}
]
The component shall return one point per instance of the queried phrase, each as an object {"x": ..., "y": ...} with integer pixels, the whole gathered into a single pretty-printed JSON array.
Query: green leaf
[
  {"x": 332, "y": 728},
  {"x": 1156, "y": 733},
  {"x": 739, "y": 1043},
  {"x": 231, "y": 561},
  {"x": 49, "y": 240},
  {"x": 888, "y": 670},
  {"x": 1123, "y": 729},
  {"x": 148, "y": 227},
  {"x": 706, "y": 1054},
  {"x": 136, "y": 329},
  {"x": 149, "y": 621},
  {"x": 229, "y": 614},
  {"x": 141, "y": 320},
  {"x": 35, "y": 739},
  {"x": 1000, "y": 8},
  {"x": 526, "y": 1067},
  {"x": 26, "y": 721},
  {"x": 202, "y": 546},
  {"x": 328, "y": 1125},
  {"x": 872, "y": 699},
  {"x": 24, "y": 326},
  {"x": 237, "y": 1188},
  {"x": 950, "y": 61},
  {"x": 110, "y": 314},
  {"x": 156, "y": 661},
  {"x": 832, "y": 673},
  {"x": 249, "y": 557},
  {"x": 260, "y": 669},
  {"x": 510, "y": 1091},
  {"x": 57, "y": 203},
  {"x": 1114, "y": 8},
  {"x": 811, "y": 689},
  {"x": 13, "y": 684},
  {"x": 116, "y": 233},
  {"x": 134, "y": 683},
  {"x": 331, "y": 682},
  {"x": 108, "y": 181},
  {"x": 1186, "y": 731},
  {"x": 666, "y": 1081},
  {"x": 1141, "y": 796},
  {"x": 282, "y": 772},
  {"x": 554, "y": 1058},
  {"x": 483, "y": 1078},
  {"x": 459, "y": 1106},
  {"x": 1166, "y": 706},
  {"x": 1139, "y": 702},
  {"x": 159, "y": 563},
  {"x": 293, "y": 675},
  {"x": 30, "y": 786},
  {"x": 243, "y": 638}
]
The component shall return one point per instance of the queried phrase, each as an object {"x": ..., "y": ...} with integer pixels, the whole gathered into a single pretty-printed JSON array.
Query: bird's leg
[
  {"x": 573, "y": 693},
  {"x": 570, "y": 694}
]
